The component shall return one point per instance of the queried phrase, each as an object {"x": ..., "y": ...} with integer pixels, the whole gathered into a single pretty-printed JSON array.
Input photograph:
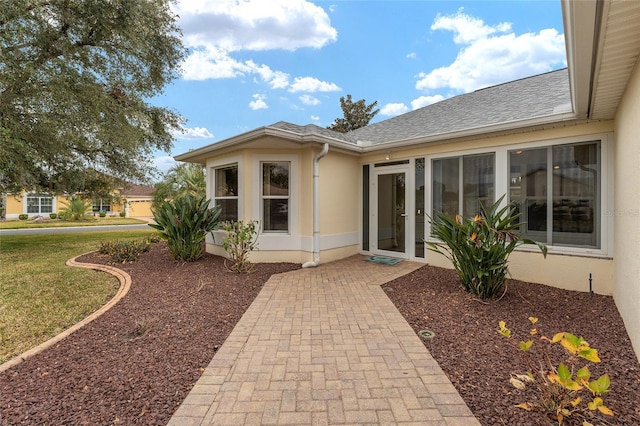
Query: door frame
[{"x": 373, "y": 210}]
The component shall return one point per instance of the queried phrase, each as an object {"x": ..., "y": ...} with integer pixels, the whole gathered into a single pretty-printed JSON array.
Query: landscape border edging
[{"x": 125, "y": 285}]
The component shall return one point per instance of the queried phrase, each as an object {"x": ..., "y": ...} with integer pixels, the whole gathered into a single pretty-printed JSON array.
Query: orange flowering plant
[{"x": 479, "y": 247}]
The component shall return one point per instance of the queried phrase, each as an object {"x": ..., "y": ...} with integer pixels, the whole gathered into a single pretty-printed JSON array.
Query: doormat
[{"x": 383, "y": 260}]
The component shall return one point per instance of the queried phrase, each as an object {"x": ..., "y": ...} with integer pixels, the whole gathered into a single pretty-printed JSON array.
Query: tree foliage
[
  {"x": 75, "y": 77},
  {"x": 182, "y": 179},
  {"x": 356, "y": 114}
]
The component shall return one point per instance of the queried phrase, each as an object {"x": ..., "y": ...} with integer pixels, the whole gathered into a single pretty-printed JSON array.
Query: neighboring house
[
  {"x": 134, "y": 200},
  {"x": 564, "y": 145}
]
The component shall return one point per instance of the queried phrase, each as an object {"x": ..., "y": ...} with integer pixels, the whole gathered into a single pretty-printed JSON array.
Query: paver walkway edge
[{"x": 324, "y": 346}]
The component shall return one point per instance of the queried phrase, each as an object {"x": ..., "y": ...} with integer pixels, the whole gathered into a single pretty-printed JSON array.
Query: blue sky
[{"x": 255, "y": 62}]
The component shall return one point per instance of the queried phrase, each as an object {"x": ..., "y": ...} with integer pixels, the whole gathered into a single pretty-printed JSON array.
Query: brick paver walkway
[{"x": 324, "y": 346}]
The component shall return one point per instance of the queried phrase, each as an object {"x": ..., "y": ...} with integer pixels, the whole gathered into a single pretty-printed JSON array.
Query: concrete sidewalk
[{"x": 324, "y": 346}]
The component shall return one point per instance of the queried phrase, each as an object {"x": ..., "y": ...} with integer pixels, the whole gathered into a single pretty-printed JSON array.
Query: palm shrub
[
  {"x": 185, "y": 223},
  {"x": 479, "y": 247},
  {"x": 75, "y": 209}
]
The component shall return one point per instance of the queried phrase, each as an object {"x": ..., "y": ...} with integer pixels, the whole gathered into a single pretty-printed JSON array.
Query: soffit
[{"x": 618, "y": 53}]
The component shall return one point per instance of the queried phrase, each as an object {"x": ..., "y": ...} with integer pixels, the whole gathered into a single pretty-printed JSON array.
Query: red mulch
[
  {"x": 478, "y": 360},
  {"x": 136, "y": 363}
]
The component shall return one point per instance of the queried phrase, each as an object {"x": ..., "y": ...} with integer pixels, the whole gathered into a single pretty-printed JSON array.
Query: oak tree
[{"x": 76, "y": 79}]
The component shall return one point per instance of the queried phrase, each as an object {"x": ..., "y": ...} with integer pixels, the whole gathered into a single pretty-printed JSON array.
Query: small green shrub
[
  {"x": 102, "y": 214},
  {"x": 185, "y": 223},
  {"x": 123, "y": 214},
  {"x": 75, "y": 209},
  {"x": 23, "y": 216},
  {"x": 124, "y": 251},
  {"x": 53, "y": 215},
  {"x": 241, "y": 239},
  {"x": 479, "y": 247},
  {"x": 560, "y": 388}
]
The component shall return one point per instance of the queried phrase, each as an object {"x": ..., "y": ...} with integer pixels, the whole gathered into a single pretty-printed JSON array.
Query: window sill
[{"x": 590, "y": 252}]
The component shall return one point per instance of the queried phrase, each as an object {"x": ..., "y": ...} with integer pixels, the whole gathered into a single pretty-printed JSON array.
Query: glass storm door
[{"x": 392, "y": 215}]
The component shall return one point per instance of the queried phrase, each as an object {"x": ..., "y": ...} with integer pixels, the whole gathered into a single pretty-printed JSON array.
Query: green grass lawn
[
  {"x": 39, "y": 295},
  {"x": 56, "y": 223}
]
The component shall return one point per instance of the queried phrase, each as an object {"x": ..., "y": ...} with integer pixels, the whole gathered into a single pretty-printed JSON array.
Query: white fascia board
[
  {"x": 494, "y": 129},
  {"x": 580, "y": 27},
  {"x": 199, "y": 155}
]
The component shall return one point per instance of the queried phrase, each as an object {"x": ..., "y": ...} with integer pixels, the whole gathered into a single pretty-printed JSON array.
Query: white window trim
[
  {"x": 54, "y": 207},
  {"x": 502, "y": 186},
  {"x": 211, "y": 188},
  {"x": 211, "y": 177},
  {"x": 277, "y": 240},
  {"x": 213, "y": 197}
]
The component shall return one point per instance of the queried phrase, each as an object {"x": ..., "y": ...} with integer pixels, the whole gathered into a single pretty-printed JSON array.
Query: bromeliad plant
[
  {"x": 479, "y": 247},
  {"x": 185, "y": 223},
  {"x": 560, "y": 388}
]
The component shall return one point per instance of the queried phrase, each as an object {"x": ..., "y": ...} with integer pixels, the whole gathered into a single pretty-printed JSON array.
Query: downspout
[{"x": 316, "y": 208}]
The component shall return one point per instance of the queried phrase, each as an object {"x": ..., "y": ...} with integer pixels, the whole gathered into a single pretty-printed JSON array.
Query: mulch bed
[
  {"x": 478, "y": 360},
  {"x": 136, "y": 363}
]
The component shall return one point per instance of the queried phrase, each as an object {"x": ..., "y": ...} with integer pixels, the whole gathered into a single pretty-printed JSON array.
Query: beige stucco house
[
  {"x": 564, "y": 145},
  {"x": 134, "y": 200}
]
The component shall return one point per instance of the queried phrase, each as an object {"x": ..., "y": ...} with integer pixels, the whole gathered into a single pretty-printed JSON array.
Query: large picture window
[
  {"x": 39, "y": 203},
  {"x": 101, "y": 205},
  {"x": 226, "y": 192},
  {"x": 463, "y": 184},
  {"x": 557, "y": 190},
  {"x": 275, "y": 196}
]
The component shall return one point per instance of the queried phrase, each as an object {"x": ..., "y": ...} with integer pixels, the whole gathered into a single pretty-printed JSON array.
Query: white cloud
[
  {"x": 215, "y": 29},
  {"x": 315, "y": 118},
  {"x": 467, "y": 28},
  {"x": 425, "y": 100},
  {"x": 164, "y": 163},
  {"x": 190, "y": 133},
  {"x": 394, "y": 109},
  {"x": 309, "y": 100},
  {"x": 255, "y": 24},
  {"x": 492, "y": 54},
  {"x": 411, "y": 55},
  {"x": 258, "y": 102},
  {"x": 312, "y": 85}
]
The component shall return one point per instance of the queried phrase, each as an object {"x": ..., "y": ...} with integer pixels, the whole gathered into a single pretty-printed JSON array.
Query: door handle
[{"x": 404, "y": 214}]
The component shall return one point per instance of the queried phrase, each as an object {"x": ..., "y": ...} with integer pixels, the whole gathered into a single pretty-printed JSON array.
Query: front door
[{"x": 391, "y": 214}]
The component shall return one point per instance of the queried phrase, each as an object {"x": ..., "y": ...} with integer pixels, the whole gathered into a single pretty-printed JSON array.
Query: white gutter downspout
[{"x": 316, "y": 208}]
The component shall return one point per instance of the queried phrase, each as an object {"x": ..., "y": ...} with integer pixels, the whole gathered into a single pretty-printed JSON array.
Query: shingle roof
[
  {"x": 538, "y": 96},
  {"x": 134, "y": 190},
  {"x": 544, "y": 98},
  {"x": 310, "y": 129}
]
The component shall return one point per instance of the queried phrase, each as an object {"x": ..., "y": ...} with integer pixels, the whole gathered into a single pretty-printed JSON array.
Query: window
[
  {"x": 39, "y": 203},
  {"x": 463, "y": 184},
  {"x": 365, "y": 207},
  {"x": 226, "y": 192},
  {"x": 275, "y": 196},
  {"x": 557, "y": 190},
  {"x": 100, "y": 205},
  {"x": 419, "y": 219}
]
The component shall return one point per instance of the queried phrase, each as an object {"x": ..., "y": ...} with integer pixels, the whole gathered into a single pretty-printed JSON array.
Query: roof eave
[
  {"x": 494, "y": 129},
  {"x": 201, "y": 154},
  {"x": 581, "y": 32}
]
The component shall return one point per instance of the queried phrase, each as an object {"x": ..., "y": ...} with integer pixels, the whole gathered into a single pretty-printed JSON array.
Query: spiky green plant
[
  {"x": 479, "y": 247},
  {"x": 75, "y": 209},
  {"x": 185, "y": 223}
]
